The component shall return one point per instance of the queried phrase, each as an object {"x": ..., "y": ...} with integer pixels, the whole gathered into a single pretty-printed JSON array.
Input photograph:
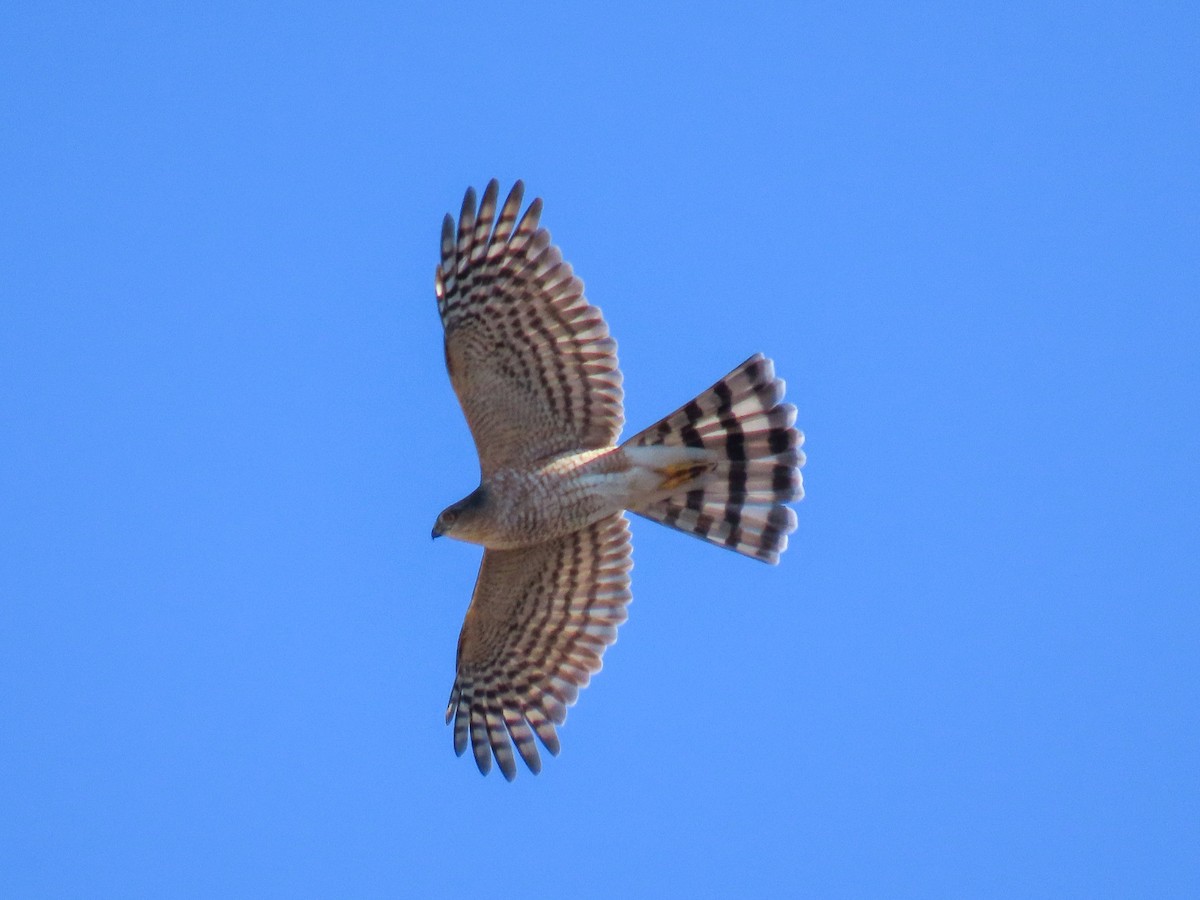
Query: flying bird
[{"x": 535, "y": 371}]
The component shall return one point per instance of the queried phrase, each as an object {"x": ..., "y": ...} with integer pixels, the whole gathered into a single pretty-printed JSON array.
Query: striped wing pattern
[
  {"x": 539, "y": 622},
  {"x": 530, "y": 359},
  {"x": 742, "y": 505}
]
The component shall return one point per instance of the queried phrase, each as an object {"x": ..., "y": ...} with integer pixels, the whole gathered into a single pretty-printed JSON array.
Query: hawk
[{"x": 535, "y": 371}]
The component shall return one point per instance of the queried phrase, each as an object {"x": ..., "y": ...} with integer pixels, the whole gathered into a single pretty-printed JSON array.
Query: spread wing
[
  {"x": 539, "y": 621},
  {"x": 530, "y": 359}
]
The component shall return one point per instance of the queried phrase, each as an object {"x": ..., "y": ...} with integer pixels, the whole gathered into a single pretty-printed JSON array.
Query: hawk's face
[{"x": 459, "y": 520}]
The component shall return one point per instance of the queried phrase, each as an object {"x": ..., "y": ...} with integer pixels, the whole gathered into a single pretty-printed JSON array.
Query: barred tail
[{"x": 740, "y": 503}]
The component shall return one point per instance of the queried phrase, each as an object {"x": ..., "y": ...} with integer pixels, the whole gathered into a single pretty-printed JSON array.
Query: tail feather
[
  {"x": 757, "y": 483},
  {"x": 740, "y": 502}
]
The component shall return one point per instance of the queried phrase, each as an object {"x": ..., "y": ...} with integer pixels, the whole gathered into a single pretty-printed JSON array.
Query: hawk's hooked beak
[{"x": 437, "y": 532}]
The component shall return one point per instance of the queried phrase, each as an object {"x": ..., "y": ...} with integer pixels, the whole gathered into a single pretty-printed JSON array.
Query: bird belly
[{"x": 558, "y": 497}]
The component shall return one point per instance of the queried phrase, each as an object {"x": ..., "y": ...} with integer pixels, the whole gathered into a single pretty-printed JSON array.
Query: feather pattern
[
  {"x": 741, "y": 503},
  {"x": 539, "y": 622},
  {"x": 530, "y": 359}
]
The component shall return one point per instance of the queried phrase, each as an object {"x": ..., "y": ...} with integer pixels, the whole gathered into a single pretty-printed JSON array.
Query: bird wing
[
  {"x": 530, "y": 359},
  {"x": 539, "y": 622}
]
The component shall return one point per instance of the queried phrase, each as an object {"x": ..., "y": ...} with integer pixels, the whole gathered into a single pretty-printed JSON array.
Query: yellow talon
[{"x": 679, "y": 474}]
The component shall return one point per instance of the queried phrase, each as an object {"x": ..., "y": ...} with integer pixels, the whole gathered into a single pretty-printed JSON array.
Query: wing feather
[
  {"x": 539, "y": 622},
  {"x": 531, "y": 361}
]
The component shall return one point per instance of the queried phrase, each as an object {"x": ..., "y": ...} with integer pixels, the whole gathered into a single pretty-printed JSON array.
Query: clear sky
[{"x": 967, "y": 235}]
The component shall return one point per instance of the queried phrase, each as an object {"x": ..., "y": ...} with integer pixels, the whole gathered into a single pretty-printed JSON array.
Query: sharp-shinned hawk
[{"x": 536, "y": 373}]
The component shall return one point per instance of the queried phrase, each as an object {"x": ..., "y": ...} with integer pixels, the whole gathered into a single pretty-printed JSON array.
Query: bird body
[
  {"x": 516, "y": 507},
  {"x": 536, "y": 373}
]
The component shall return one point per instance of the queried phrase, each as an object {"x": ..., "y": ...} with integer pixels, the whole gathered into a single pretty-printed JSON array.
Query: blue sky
[{"x": 967, "y": 235}]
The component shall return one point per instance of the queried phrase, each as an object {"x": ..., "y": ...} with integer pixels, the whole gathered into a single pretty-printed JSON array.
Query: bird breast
[{"x": 553, "y": 498}]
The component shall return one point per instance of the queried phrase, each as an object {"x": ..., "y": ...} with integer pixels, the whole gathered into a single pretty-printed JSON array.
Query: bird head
[{"x": 456, "y": 519}]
